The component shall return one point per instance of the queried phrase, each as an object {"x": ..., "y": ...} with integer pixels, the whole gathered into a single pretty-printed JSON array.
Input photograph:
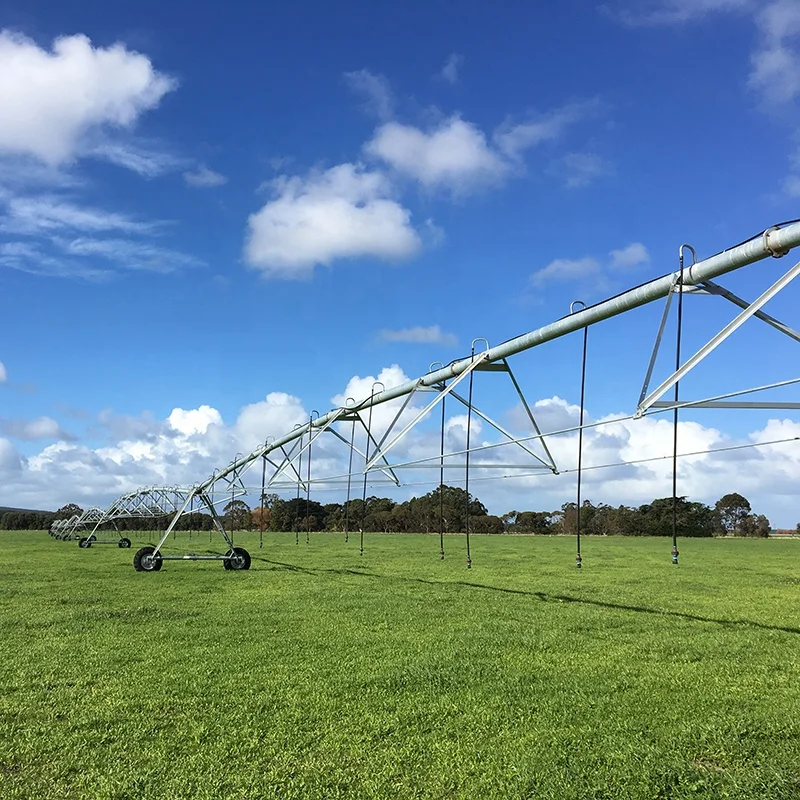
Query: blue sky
[{"x": 203, "y": 207}]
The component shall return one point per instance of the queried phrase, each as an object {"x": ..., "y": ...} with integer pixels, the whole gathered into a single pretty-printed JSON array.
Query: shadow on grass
[{"x": 542, "y": 596}]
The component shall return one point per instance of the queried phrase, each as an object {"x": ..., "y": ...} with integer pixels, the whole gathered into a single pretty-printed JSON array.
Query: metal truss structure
[
  {"x": 153, "y": 502},
  {"x": 286, "y": 461}
]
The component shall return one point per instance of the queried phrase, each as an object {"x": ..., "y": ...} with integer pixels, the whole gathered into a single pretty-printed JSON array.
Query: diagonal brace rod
[{"x": 715, "y": 341}]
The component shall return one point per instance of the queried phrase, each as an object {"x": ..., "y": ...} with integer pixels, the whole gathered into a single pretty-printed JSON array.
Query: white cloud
[
  {"x": 30, "y": 258},
  {"x": 203, "y": 177},
  {"x": 39, "y": 428},
  {"x": 671, "y": 12},
  {"x": 375, "y": 90},
  {"x": 581, "y": 169},
  {"x": 513, "y": 139},
  {"x": 27, "y": 172},
  {"x": 130, "y": 254},
  {"x": 566, "y": 269},
  {"x": 51, "y": 213},
  {"x": 10, "y": 460},
  {"x": 420, "y": 335},
  {"x": 190, "y": 443},
  {"x": 450, "y": 70},
  {"x": 274, "y": 416},
  {"x": 458, "y": 156},
  {"x": 50, "y": 99},
  {"x": 775, "y": 64},
  {"x": 3, "y": 374},
  {"x": 344, "y": 212},
  {"x": 196, "y": 420},
  {"x": 146, "y": 162},
  {"x": 455, "y": 154},
  {"x": 580, "y": 269},
  {"x": 630, "y": 257}
]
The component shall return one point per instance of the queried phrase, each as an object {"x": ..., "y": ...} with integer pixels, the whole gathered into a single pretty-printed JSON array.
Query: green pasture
[{"x": 320, "y": 674}]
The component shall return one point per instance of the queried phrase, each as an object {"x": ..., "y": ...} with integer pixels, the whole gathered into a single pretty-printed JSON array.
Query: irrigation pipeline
[
  {"x": 631, "y": 462},
  {"x": 774, "y": 241}
]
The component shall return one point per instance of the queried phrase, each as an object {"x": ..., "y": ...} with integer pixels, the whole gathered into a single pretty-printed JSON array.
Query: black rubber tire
[
  {"x": 145, "y": 561},
  {"x": 240, "y": 560},
  {"x": 92, "y": 538},
  {"x": 124, "y": 543},
  {"x": 84, "y": 542}
]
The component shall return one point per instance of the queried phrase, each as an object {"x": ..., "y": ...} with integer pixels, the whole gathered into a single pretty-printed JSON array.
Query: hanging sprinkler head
[
  {"x": 674, "y": 554},
  {"x": 469, "y": 563},
  {"x": 578, "y": 561}
]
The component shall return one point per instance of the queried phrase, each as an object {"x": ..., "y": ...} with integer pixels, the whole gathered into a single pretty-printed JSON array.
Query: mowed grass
[{"x": 319, "y": 674}]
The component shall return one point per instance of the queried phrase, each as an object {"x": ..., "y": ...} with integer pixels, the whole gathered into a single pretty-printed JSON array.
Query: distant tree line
[{"x": 731, "y": 515}]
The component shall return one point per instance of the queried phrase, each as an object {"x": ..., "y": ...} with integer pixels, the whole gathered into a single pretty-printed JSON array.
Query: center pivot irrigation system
[{"x": 282, "y": 459}]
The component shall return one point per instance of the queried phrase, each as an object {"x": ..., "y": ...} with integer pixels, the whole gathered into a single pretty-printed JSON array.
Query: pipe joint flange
[{"x": 775, "y": 252}]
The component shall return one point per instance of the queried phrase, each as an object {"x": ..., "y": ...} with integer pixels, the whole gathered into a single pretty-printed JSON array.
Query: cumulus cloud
[
  {"x": 35, "y": 429},
  {"x": 50, "y": 99},
  {"x": 375, "y": 90},
  {"x": 420, "y": 335},
  {"x": 196, "y": 420},
  {"x": 189, "y": 444},
  {"x": 633, "y": 256},
  {"x": 630, "y": 257},
  {"x": 204, "y": 178},
  {"x": 451, "y": 68},
  {"x": 3, "y": 374},
  {"x": 565, "y": 269},
  {"x": 344, "y": 212},
  {"x": 274, "y": 416},
  {"x": 10, "y": 460},
  {"x": 457, "y": 155}
]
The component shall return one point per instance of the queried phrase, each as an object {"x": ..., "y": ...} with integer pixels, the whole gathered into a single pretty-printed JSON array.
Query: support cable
[
  {"x": 466, "y": 458},
  {"x": 441, "y": 487},
  {"x": 297, "y": 499},
  {"x": 308, "y": 479},
  {"x": 675, "y": 411},
  {"x": 263, "y": 490},
  {"x": 578, "y": 560},
  {"x": 366, "y": 462},
  {"x": 349, "y": 476}
]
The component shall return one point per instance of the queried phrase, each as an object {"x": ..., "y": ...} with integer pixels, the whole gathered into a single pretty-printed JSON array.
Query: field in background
[{"x": 319, "y": 674}]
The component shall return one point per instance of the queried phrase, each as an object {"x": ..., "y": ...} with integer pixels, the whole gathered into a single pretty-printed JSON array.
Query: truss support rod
[
  {"x": 715, "y": 288},
  {"x": 723, "y": 404},
  {"x": 510, "y": 436},
  {"x": 531, "y": 417},
  {"x": 773, "y": 242},
  {"x": 440, "y": 397},
  {"x": 715, "y": 341}
]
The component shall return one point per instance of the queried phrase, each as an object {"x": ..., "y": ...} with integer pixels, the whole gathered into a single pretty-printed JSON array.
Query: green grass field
[{"x": 319, "y": 674}]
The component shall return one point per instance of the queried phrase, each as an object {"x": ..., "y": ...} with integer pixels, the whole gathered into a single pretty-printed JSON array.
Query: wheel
[
  {"x": 92, "y": 538},
  {"x": 124, "y": 543},
  {"x": 147, "y": 560},
  {"x": 84, "y": 542},
  {"x": 239, "y": 559}
]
